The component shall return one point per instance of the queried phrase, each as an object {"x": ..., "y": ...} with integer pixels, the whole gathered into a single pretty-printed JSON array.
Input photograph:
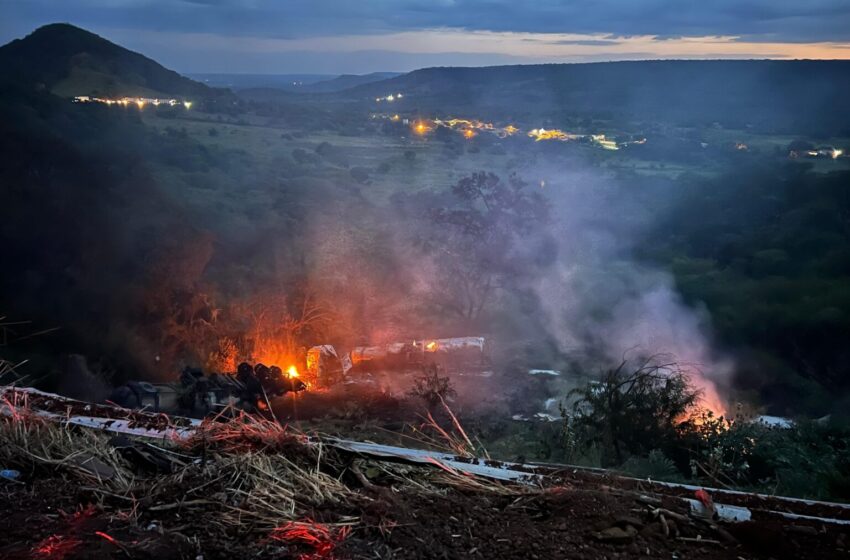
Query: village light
[{"x": 421, "y": 127}]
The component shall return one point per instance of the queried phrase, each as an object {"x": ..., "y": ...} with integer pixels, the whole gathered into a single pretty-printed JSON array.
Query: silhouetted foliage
[
  {"x": 478, "y": 244},
  {"x": 632, "y": 410}
]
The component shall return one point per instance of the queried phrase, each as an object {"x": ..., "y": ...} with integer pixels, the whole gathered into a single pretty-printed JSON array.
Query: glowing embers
[
  {"x": 292, "y": 372},
  {"x": 318, "y": 539},
  {"x": 63, "y": 544}
]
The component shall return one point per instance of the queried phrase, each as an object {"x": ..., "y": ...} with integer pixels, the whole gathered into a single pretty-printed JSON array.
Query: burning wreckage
[{"x": 251, "y": 387}]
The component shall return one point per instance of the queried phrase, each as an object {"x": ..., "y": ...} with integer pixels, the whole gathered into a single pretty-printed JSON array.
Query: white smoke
[{"x": 602, "y": 306}]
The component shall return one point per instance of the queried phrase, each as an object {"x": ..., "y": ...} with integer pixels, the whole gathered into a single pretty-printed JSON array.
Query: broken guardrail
[{"x": 141, "y": 424}]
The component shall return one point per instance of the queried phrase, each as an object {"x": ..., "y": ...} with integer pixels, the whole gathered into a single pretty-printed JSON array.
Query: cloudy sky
[{"x": 359, "y": 36}]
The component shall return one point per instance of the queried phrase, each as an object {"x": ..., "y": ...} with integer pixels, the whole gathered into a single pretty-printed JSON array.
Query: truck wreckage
[
  {"x": 251, "y": 387},
  {"x": 326, "y": 367}
]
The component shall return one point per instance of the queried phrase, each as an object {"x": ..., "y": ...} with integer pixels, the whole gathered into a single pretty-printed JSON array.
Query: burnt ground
[{"x": 50, "y": 518}]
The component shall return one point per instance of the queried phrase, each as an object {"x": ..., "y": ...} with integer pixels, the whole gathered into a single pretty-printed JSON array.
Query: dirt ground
[
  {"x": 47, "y": 518},
  {"x": 347, "y": 506}
]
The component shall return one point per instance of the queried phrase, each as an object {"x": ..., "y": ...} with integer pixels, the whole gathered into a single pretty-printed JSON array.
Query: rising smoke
[{"x": 603, "y": 305}]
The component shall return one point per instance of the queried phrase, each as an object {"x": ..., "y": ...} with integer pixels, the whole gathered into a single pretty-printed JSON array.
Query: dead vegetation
[
  {"x": 247, "y": 479},
  {"x": 248, "y": 487}
]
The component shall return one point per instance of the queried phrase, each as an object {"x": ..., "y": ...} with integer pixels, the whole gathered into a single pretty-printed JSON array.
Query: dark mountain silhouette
[
  {"x": 347, "y": 81},
  {"x": 69, "y": 61}
]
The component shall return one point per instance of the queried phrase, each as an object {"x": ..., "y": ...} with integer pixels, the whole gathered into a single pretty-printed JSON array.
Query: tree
[
  {"x": 477, "y": 244},
  {"x": 632, "y": 411}
]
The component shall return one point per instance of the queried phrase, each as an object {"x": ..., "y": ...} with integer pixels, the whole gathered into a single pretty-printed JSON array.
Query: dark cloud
[
  {"x": 778, "y": 20},
  {"x": 775, "y": 21},
  {"x": 588, "y": 42}
]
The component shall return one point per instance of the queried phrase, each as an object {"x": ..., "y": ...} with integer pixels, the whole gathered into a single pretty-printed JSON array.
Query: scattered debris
[{"x": 269, "y": 490}]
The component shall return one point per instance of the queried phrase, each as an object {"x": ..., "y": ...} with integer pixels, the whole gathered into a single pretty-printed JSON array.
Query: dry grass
[
  {"x": 453, "y": 440},
  {"x": 249, "y": 473},
  {"x": 31, "y": 444},
  {"x": 246, "y": 477}
]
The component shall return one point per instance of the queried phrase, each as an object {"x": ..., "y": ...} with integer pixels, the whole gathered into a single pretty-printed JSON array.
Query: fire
[
  {"x": 711, "y": 400},
  {"x": 292, "y": 372},
  {"x": 431, "y": 346},
  {"x": 469, "y": 133}
]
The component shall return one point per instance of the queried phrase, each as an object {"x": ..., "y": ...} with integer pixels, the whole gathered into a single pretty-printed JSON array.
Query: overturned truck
[
  {"x": 326, "y": 367},
  {"x": 197, "y": 393}
]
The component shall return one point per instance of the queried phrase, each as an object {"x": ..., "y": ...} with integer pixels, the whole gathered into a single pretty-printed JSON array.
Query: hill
[
  {"x": 70, "y": 61},
  {"x": 237, "y": 82},
  {"x": 347, "y": 81},
  {"x": 798, "y": 95},
  {"x": 296, "y": 83}
]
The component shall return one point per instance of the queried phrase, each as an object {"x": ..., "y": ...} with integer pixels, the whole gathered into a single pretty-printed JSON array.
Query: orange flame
[
  {"x": 292, "y": 372},
  {"x": 431, "y": 346}
]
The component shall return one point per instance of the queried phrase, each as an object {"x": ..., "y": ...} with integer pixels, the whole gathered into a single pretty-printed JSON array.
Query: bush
[
  {"x": 655, "y": 466},
  {"x": 809, "y": 460},
  {"x": 632, "y": 411},
  {"x": 432, "y": 388}
]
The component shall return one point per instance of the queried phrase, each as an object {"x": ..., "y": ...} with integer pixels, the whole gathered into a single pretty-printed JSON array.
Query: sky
[{"x": 361, "y": 36}]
